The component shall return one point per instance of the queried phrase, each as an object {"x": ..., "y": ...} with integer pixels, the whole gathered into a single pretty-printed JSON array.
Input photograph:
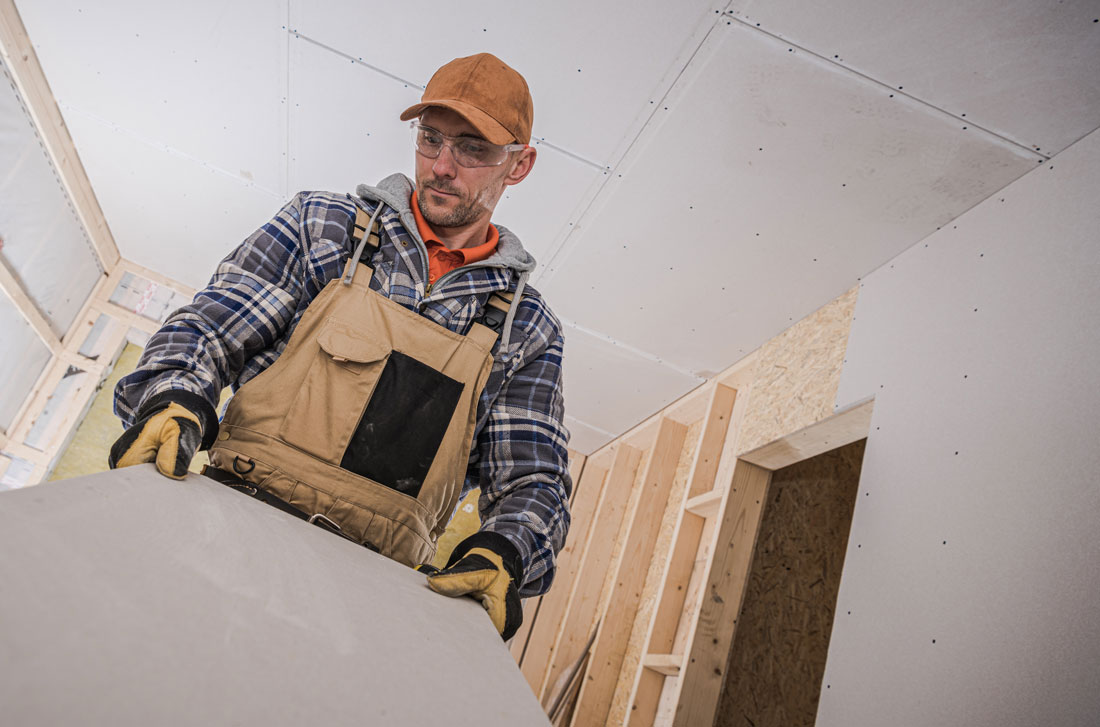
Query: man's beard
[{"x": 464, "y": 213}]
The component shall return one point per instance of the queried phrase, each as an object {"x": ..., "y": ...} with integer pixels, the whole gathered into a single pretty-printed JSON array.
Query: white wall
[{"x": 971, "y": 589}]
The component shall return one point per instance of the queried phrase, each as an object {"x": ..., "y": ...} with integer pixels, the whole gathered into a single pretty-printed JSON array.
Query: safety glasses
[{"x": 468, "y": 151}]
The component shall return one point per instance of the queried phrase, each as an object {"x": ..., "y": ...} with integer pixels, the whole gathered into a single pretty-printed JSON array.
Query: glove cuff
[
  {"x": 497, "y": 543},
  {"x": 190, "y": 401}
]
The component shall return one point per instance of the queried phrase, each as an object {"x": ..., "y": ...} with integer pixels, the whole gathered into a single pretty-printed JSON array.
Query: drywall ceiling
[{"x": 708, "y": 173}]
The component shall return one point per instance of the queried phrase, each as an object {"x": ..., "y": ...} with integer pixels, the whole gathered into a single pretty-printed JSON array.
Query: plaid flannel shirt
[{"x": 239, "y": 324}]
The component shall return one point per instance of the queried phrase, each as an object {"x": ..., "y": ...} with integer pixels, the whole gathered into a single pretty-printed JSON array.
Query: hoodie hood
[{"x": 395, "y": 192}]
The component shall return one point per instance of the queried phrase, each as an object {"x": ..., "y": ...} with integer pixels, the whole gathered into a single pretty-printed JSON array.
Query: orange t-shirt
[{"x": 442, "y": 260}]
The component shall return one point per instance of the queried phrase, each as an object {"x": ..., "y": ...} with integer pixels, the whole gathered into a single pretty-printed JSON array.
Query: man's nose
[{"x": 444, "y": 165}]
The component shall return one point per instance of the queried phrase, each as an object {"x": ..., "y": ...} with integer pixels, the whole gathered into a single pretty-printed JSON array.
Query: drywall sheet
[
  {"x": 22, "y": 358},
  {"x": 41, "y": 237},
  {"x": 593, "y": 68},
  {"x": 1022, "y": 68},
  {"x": 970, "y": 585},
  {"x": 205, "y": 79},
  {"x": 167, "y": 211},
  {"x": 129, "y": 598},
  {"x": 771, "y": 183},
  {"x": 345, "y": 130},
  {"x": 611, "y": 388}
]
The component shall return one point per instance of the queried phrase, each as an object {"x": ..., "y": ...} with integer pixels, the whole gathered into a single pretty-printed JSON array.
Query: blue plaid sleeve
[
  {"x": 523, "y": 461},
  {"x": 243, "y": 311}
]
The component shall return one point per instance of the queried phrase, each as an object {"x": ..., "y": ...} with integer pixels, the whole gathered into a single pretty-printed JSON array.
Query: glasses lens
[
  {"x": 467, "y": 151},
  {"x": 427, "y": 141}
]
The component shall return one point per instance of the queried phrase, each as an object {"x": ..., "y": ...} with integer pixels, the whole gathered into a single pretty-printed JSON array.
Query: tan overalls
[{"x": 366, "y": 417}]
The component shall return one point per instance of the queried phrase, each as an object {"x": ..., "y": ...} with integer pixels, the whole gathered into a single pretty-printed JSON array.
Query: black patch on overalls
[{"x": 403, "y": 425}]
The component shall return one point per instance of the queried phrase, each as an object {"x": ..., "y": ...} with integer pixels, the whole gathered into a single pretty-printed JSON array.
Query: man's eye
[
  {"x": 473, "y": 148},
  {"x": 430, "y": 139}
]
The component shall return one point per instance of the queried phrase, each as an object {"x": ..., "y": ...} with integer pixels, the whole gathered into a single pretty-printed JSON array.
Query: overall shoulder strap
[
  {"x": 500, "y": 311},
  {"x": 360, "y": 227}
]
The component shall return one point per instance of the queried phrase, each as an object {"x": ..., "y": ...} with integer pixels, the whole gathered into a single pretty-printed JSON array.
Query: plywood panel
[
  {"x": 1022, "y": 57},
  {"x": 798, "y": 179},
  {"x": 777, "y": 659},
  {"x": 797, "y": 374},
  {"x": 223, "y": 586},
  {"x": 971, "y": 572}
]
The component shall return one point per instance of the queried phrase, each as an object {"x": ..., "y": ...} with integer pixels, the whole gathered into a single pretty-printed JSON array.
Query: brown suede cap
[{"x": 485, "y": 91}]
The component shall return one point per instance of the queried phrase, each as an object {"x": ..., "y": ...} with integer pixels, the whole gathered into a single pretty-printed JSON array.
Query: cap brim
[{"x": 485, "y": 124}]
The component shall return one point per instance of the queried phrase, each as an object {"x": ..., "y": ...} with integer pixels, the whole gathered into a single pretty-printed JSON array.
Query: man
[{"x": 386, "y": 357}]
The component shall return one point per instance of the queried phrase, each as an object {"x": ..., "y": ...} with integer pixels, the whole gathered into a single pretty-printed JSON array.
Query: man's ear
[{"x": 522, "y": 166}]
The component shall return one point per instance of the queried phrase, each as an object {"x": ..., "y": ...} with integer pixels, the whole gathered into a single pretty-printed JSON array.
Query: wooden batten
[
  {"x": 676, "y": 570},
  {"x": 13, "y": 288},
  {"x": 580, "y": 610},
  {"x": 594, "y": 701},
  {"x": 704, "y": 671},
  {"x": 588, "y": 489},
  {"x": 665, "y": 664},
  {"x": 158, "y": 278},
  {"x": 844, "y": 427},
  {"x": 704, "y": 505}
]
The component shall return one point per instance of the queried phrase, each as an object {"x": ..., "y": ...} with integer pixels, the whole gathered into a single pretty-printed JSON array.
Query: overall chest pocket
[{"x": 330, "y": 399}]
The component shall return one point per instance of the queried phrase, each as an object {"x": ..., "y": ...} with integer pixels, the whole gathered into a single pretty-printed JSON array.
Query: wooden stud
[
  {"x": 22, "y": 62},
  {"x": 130, "y": 318},
  {"x": 844, "y": 427},
  {"x": 587, "y": 494},
  {"x": 582, "y": 606},
  {"x": 705, "y": 670},
  {"x": 676, "y": 570},
  {"x": 158, "y": 278},
  {"x": 594, "y": 701},
  {"x": 666, "y": 664},
  {"x": 532, "y": 606},
  {"x": 518, "y": 644},
  {"x": 13, "y": 288}
]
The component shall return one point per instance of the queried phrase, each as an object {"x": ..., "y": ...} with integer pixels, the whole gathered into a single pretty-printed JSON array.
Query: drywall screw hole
[{"x": 933, "y": 641}]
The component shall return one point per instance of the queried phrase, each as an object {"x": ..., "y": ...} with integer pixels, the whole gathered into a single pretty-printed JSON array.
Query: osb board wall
[
  {"x": 653, "y": 581},
  {"x": 797, "y": 374},
  {"x": 777, "y": 659}
]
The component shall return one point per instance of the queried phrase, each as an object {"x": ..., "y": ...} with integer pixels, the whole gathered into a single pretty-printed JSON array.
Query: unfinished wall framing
[{"x": 642, "y": 600}]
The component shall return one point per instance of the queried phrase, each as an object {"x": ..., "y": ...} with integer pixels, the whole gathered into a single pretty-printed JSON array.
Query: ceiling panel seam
[
  {"x": 359, "y": 61},
  {"x": 560, "y": 249},
  {"x": 160, "y": 146},
  {"x": 286, "y": 105},
  {"x": 593, "y": 427},
  {"x": 633, "y": 350},
  {"x": 353, "y": 59},
  {"x": 966, "y": 123}
]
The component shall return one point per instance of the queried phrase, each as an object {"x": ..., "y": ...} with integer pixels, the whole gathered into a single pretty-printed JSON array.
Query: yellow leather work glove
[
  {"x": 169, "y": 436},
  {"x": 484, "y": 566}
]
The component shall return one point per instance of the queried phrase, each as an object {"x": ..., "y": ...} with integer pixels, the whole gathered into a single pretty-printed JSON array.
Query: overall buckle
[{"x": 324, "y": 521}]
